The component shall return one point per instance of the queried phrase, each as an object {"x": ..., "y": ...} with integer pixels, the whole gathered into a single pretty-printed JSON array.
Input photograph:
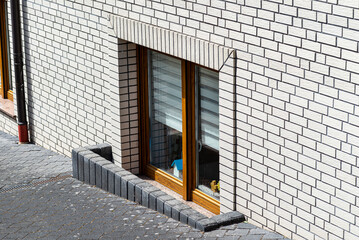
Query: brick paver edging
[{"x": 93, "y": 165}]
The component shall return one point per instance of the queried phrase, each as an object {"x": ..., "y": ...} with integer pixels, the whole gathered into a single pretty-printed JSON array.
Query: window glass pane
[
  {"x": 1, "y": 37},
  {"x": 8, "y": 45},
  {"x": 207, "y": 124},
  {"x": 5, "y": 50},
  {"x": 165, "y": 112},
  {"x": 1, "y": 77}
]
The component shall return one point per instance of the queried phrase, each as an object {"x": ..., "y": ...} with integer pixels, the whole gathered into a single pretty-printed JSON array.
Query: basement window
[{"x": 6, "y": 93}]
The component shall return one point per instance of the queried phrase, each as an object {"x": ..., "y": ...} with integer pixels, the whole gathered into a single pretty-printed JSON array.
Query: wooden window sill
[{"x": 7, "y": 107}]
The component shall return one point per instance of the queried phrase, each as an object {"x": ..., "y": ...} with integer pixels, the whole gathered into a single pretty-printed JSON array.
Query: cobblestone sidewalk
[
  {"x": 39, "y": 200},
  {"x": 23, "y": 164}
]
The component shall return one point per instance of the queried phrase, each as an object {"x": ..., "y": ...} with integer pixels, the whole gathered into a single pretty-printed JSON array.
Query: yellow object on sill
[{"x": 215, "y": 187}]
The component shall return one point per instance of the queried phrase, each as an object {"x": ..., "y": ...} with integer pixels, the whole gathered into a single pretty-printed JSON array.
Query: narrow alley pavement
[{"x": 40, "y": 200}]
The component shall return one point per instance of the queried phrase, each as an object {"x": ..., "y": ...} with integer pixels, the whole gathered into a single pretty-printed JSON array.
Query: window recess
[{"x": 179, "y": 119}]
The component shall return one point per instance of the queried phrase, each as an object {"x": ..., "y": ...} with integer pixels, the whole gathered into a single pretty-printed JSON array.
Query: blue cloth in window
[{"x": 179, "y": 164}]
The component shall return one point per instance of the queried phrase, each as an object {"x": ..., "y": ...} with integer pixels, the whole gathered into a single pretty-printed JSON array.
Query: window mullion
[
  {"x": 189, "y": 142},
  {"x": 185, "y": 133}
]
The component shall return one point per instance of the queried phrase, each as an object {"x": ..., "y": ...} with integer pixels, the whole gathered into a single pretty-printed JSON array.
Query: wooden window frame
[
  {"x": 5, "y": 90},
  {"x": 187, "y": 187}
]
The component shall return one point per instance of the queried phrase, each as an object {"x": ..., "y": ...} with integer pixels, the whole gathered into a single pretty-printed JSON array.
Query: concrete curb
[{"x": 94, "y": 165}]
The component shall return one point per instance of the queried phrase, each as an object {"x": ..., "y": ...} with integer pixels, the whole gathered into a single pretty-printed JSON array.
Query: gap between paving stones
[
  {"x": 27, "y": 185},
  {"x": 94, "y": 165}
]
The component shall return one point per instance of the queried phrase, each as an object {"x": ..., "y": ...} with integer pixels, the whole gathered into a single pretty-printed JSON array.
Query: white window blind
[
  {"x": 166, "y": 100},
  {"x": 208, "y": 107},
  {"x": 165, "y": 83}
]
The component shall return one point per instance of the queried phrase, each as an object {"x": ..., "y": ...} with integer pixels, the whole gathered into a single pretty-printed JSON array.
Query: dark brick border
[{"x": 94, "y": 165}]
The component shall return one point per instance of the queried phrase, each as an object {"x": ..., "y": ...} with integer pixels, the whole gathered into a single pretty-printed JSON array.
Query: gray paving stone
[
  {"x": 161, "y": 200},
  {"x": 146, "y": 195},
  {"x": 86, "y": 170},
  {"x": 153, "y": 199},
  {"x": 272, "y": 236},
  {"x": 194, "y": 217},
  {"x": 94, "y": 148},
  {"x": 75, "y": 166},
  {"x": 124, "y": 185},
  {"x": 111, "y": 182},
  {"x": 251, "y": 237},
  {"x": 68, "y": 208},
  {"x": 131, "y": 191},
  {"x": 92, "y": 173},
  {"x": 206, "y": 224},
  {"x": 80, "y": 160},
  {"x": 106, "y": 151},
  {"x": 176, "y": 211},
  {"x": 238, "y": 232},
  {"x": 99, "y": 162},
  {"x": 104, "y": 178},
  {"x": 138, "y": 191},
  {"x": 117, "y": 185},
  {"x": 246, "y": 226},
  {"x": 229, "y": 218},
  {"x": 98, "y": 177},
  {"x": 184, "y": 214},
  {"x": 257, "y": 231},
  {"x": 168, "y": 208}
]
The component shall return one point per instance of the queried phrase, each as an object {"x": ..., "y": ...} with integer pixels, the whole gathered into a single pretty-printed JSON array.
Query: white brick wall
[
  {"x": 323, "y": 109},
  {"x": 124, "y": 120},
  {"x": 296, "y": 115}
]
